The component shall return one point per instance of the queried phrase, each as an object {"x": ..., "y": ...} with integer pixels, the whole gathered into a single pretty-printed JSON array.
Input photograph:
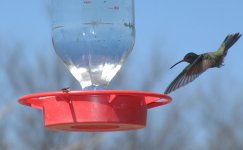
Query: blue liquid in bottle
[{"x": 93, "y": 38}]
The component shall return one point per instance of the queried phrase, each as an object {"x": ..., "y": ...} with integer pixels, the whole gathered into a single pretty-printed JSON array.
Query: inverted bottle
[{"x": 93, "y": 38}]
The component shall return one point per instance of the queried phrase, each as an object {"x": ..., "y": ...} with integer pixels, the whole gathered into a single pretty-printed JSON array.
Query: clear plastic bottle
[{"x": 93, "y": 38}]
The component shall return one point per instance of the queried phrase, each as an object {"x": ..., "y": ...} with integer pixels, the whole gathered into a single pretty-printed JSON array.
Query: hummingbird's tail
[{"x": 228, "y": 42}]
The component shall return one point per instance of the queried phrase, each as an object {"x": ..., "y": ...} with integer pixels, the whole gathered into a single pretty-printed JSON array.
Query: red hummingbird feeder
[
  {"x": 101, "y": 110},
  {"x": 93, "y": 47}
]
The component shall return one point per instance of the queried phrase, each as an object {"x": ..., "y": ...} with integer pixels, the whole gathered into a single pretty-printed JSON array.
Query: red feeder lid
[{"x": 101, "y": 110}]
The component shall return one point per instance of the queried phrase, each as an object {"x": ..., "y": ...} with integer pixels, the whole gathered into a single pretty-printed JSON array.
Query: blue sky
[
  {"x": 176, "y": 27},
  {"x": 184, "y": 26}
]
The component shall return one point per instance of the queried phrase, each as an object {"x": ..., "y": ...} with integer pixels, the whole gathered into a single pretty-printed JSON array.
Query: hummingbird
[{"x": 199, "y": 63}]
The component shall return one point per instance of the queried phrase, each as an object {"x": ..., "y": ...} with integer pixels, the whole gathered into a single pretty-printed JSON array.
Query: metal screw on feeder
[{"x": 93, "y": 38}]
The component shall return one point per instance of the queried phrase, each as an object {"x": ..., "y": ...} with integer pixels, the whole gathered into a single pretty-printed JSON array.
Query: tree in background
[{"x": 195, "y": 121}]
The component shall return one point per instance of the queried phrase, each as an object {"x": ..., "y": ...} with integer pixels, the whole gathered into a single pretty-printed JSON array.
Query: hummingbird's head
[{"x": 190, "y": 57}]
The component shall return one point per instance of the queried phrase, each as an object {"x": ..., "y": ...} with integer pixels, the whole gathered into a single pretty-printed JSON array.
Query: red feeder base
[{"x": 104, "y": 110}]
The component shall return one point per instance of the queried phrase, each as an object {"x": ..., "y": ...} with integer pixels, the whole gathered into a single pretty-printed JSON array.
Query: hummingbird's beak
[{"x": 177, "y": 63}]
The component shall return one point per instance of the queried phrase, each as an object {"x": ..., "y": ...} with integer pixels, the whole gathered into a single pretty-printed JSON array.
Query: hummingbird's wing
[{"x": 190, "y": 73}]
